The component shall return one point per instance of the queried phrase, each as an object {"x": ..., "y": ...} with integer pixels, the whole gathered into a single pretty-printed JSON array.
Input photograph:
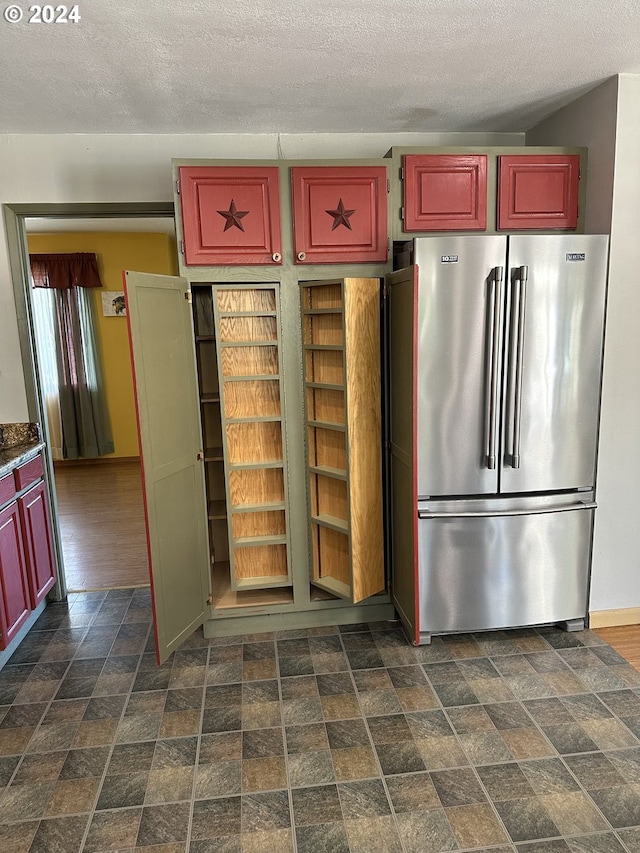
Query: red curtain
[{"x": 62, "y": 271}]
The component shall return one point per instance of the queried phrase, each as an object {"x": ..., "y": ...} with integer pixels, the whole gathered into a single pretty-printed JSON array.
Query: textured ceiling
[{"x": 295, "y": 66}]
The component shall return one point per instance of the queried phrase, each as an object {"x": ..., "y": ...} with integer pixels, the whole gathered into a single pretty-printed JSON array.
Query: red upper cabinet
[
  {"x": 445, "y": 192},
  {"x": 230, "y": 215},
  {"x": 339, "y": 214},
  {"x": 538, "y": 191}
]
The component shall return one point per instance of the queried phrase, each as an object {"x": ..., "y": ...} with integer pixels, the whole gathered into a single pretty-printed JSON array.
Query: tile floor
[{"x": 338, "y": 740}]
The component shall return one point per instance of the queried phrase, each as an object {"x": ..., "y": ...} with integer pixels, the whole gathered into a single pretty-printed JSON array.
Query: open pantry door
[{"x": 164, "y": 370}]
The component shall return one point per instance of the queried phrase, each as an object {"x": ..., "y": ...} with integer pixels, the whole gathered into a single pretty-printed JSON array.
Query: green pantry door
[{"x": 162, "y": 349}]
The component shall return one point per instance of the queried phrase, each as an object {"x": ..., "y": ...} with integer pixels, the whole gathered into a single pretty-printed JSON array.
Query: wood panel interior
[
  {"x": 252, "y": 398},
  {"x": 254, "y": 441},
  {"x": 248, "y": 346},
  {"x": 327, "y": 448},
  {"x": 324, "y": 404},
  {"x": 203, "y": 319},
  {"x": 260, "y": 561},
  {"x": 249, "y": 361},
  {"x": 330, "y": 554},
  {"x": 208, "y": 383},
  {"x": 326, "y": 366},
  {"x": 247, "y": 329},
  {"x": 211, "y": 426},
  {"x": 219, "y": 540},
  {"x": 327, "y": 295},
  {"x": 214, "y": 476},
  {"x": 328, "y": 497},
  {"x": 248, "y": 300},
  {"x": 324, "y": 329},
  {"x": 254, "y": 486},
  {"x": 247, "y": 524}
]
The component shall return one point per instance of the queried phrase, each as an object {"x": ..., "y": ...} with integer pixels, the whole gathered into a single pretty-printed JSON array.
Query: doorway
[{"x": 97, "y": 504}]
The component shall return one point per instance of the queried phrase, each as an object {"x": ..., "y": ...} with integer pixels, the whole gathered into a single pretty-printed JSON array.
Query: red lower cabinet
[
  {"x": 36, "y": 533},
  {"x": 15, "y": 600}
]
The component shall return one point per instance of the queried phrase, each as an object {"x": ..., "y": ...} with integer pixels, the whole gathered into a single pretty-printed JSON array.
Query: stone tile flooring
[{"x": 333, "y": 740}]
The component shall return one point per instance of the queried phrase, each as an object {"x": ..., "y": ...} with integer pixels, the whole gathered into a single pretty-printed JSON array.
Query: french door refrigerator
[{"x": 494, "y": 348}]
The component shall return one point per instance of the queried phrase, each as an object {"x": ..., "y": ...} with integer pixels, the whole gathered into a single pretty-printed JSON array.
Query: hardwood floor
[
  {"x": 625, "y": 640},
  {"x": 102, "y": 525}
]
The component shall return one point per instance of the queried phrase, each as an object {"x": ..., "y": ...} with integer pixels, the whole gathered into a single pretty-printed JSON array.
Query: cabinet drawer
[
  {"x": 29, "y": 472},
  {"x": 7, "y": 489}
]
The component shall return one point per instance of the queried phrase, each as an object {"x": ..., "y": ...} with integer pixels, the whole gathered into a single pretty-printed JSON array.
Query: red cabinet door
[
  {"x": 538, "y": 191},
  {"x": 445, "y": 192},
  {"x": 339, "y": 214},
  {"x": 15, "y": 604},
  {"x": 230, "y": 215},
  {"x": 36, "y": 536}
]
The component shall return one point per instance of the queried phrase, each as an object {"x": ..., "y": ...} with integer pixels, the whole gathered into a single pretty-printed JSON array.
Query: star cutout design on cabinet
[
  {"x": 233, "y": 216},
  {"x": 340, "y": 216}
]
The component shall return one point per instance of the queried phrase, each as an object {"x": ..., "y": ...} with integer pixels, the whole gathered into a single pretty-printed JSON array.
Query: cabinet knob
[
  {"x": 276, "y": 257},
  {"x": 302, "y": 256}
]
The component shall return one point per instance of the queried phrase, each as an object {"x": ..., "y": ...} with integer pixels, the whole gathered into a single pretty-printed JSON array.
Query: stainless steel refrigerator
[{"x": 494, "y": 373}]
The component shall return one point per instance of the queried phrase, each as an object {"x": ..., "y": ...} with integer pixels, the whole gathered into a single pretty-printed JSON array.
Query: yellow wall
[{"x": 116, "y": 251}]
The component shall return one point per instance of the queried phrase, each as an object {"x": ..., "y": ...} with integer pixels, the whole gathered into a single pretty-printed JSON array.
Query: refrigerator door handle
[
  {"x": 521, "y": 276},
  {"x": 491, "y": 378},
  {"x": 495, "y": 513}
]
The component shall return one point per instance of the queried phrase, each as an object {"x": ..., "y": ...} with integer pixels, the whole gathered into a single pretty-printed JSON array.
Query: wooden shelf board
[
  {"x": 213, "y": 454},
  {"x": 243, "y": 584},
  {"x": 250, "y": 377},
  {"x": 248, "y": 314},
  {"x": 271, "y": 343},
  {"x": 247, "y": 466},
  {"x": 327, "y": 425},
  {"x": 327, "y": 386},
  {"x": 225, "y": 598},
  {"x": 338, "y": 524},
  {"x": 248, "y": 541},
  {"x": 262, "y": 420},
  {"x": 210, "y": 398},
  {"x": 217, "y": 510},
  {"x": 334, "y": 586},
  {"x": 327, "y": 471},
  {"x": 200, "y": 338},
  {"x": 311, "y": 311},
  {"x": 324, "y": 347},
  {"x": 265, "y": 507}
]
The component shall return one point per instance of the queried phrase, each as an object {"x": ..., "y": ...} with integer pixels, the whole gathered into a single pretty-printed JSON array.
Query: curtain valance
[{"x": 64, "y": 270}]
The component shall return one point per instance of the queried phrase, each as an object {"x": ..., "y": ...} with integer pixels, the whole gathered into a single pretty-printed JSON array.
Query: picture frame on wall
[{"x": 113, "y": 303}]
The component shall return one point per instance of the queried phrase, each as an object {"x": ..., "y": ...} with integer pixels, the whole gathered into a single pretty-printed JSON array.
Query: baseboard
[
  {"x": 100, "y": 460},
  {"x": 613, "y": 618}
]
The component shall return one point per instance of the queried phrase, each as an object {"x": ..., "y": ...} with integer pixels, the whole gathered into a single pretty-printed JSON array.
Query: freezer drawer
[{"x": 486, "y": 571}]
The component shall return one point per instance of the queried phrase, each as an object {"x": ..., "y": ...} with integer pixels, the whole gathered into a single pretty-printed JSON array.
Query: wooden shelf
[
  {"x": 336, "y": 427},
  {"x": 312, "y": 311},
  {"x": 213, "y": 454},
  {"x": 247, "y": 344},
  {"x": 225, "y": 598},
  {"x": 248, "y": 541},
  {"x": 210, "y": 398},
  {"x": 245, "y": 584},
  {"x": 324, "y": 347},
  {"x": 327, "y": 471},
  {"x": 248, "y": 314},
  {"x": 203, "y": 338},
  {"x": 326, "y": 386},
  {"x": 263, "y": 507},
  {"x": 247, "y": 466},
  {"x": 334, "y": 586},
  {"x": 217, "y": 510},
  {"x": 330, "y": 521},
  {"x": 257, "y": 420}
]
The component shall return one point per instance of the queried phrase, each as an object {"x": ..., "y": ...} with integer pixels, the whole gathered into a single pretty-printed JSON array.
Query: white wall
[
  {"x": 607, "y": 120},
  {"x": 46, "y": 168}
]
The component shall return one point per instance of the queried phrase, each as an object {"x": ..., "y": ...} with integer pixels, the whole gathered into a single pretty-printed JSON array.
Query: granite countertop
[{"x": 18, "y": 444}]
